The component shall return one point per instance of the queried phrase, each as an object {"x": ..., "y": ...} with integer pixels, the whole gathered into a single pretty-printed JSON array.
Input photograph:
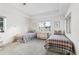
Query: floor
[{"x": 32, "y": 47}]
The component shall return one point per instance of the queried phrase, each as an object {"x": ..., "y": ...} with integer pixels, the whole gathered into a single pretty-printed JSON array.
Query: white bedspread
[
  {"x": 58, "y": 37},
  {"x": 28, "y": 36}
]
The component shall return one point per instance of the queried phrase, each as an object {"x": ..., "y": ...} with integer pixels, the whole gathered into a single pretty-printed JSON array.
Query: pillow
[
  {"x": 31, "y": 31},
  {"x": 58, "y": 32}
]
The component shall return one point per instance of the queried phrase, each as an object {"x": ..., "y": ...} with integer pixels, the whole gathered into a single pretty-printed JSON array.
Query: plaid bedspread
[{"x": 60, "y": 41}]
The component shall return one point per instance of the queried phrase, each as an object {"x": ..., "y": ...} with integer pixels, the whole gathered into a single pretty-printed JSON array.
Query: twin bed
[
  {"x": 28, "y": 36},
  {"x": 56, "y": 43},
  {"x": 60, "y": 44}
]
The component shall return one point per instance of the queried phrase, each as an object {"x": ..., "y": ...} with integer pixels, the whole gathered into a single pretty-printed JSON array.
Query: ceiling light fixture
[{"x": 24, "y": 3}]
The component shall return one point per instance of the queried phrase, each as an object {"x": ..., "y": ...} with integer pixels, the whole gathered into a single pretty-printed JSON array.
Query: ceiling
[
  {"x": 39, "y": 8},
  {"x": 33, "y": 9}
]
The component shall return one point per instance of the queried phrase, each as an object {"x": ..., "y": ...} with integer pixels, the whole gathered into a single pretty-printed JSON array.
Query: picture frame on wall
[{"x": 56, "y": 24}]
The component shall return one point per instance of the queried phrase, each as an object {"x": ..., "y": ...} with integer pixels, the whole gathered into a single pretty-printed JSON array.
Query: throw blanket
[{"x": 60, "y": 41}]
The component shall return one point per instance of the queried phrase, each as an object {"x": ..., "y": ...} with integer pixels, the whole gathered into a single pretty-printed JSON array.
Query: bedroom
[{"x": 25, "y": 27}]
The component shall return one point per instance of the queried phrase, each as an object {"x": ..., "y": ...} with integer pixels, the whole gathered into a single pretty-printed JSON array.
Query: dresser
[{"x": 42, "y": 35}]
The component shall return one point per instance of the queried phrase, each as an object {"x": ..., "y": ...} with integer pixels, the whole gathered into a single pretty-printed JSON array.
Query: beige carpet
[{"x": 33, "y": 47}]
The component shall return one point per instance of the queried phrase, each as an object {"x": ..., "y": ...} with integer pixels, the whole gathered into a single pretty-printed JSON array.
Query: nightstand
[{"x": 42, "y": 35}]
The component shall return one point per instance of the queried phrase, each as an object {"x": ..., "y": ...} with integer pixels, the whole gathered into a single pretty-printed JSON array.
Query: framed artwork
[{"x": 56, "y": 24}]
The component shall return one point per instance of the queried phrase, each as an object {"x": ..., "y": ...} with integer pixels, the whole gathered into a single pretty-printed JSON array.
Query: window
[
  {"x": 41, "y": 24},
  {"x": 1, "y": 24},
  {"x": 68, "y": 23},
  {"x": 45, "y": 26}
]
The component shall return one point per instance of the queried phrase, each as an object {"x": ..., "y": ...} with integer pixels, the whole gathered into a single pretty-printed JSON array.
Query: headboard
[{"x": 59, "y": 32}]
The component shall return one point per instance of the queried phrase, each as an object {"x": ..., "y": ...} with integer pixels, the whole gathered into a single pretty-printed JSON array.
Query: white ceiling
[
  {"x": 32, "y": 9},
  {"x": 39, "y": 8}
]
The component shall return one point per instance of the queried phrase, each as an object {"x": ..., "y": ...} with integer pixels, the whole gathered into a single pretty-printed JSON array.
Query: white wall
[
  {"x": 74, "y": 36},
  {"x": 14, "y": 19},
  {"x": 35, "y": 21}
]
